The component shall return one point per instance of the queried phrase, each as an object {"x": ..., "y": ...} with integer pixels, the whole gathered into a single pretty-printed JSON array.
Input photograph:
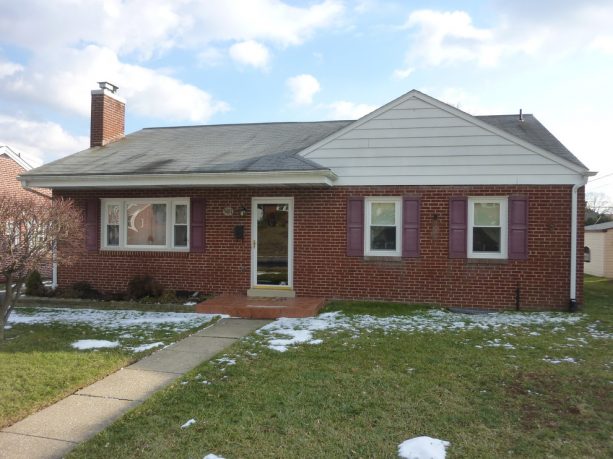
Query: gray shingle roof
[
  {"x": 531, "y": 130},
  {"x": 600, "y": 226},
  {"x": 255, "y": 147},
  {"x": 193, "y": 149}
]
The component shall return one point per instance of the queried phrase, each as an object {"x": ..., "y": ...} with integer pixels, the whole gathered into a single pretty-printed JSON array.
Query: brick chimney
[{"x": 108, "y": 115}]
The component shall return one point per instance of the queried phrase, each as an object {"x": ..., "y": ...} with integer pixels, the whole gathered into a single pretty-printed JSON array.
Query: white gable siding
[{"x": 415, "y": 142}]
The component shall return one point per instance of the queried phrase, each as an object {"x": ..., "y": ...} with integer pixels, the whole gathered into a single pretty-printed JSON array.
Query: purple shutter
[
  {"x": 355, "y": 227},
  {"x": 92, "y": 213},
  {"x": 518, "y": 227},
  {"x": 197, "y": 236},
  {"x": 458, "y": 217},
  {"x": 410, "y": 226}
]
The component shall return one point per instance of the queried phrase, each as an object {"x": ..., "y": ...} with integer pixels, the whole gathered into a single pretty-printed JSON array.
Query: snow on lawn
[
  {"x": 188, "y": 423},
  {"x": 133, "y": 330},
  {"x": 422, "y": 448},
  {"x": 94, "y": 344},
  {"x": 285, "y": 333}
]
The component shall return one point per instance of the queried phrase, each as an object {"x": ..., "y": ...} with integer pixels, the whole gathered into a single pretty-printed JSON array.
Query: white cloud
[
  {"x": 9, "y": 68},
  {"x": 38, "y": 140},
  {"x": 251, "y": 53},
  {"x": 149, "y": 27},
  {"x": 303, "y": 88},
  {"x": 64, "y": 80},
  {"x": 346, "y": 110},
  {"x": 445, "y": 37},
  {"x": 603, "y": 43},
  {"x": 403, "y": 74}
]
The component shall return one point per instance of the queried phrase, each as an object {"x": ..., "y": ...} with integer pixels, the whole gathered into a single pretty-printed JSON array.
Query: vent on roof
[{"x": 521, "y": 116}]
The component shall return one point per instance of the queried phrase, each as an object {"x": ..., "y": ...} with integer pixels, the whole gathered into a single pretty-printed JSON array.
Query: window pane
[
  {"x": 383, "y": 213},
  {"x": 486, "y": 239},
  {"x": 146, "y": 224},
  {"x": 112, "y": 212},
  {"x": 112, "y": 235},
  {"x": 382, "y": 238},
  {"x": 487, "y": 214},
  {"x": 180, "y": 236},
  {"x": 181, "y": 214}
]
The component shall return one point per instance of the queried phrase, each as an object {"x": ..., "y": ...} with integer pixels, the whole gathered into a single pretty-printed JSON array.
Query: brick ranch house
[
  {"x": 416, "y": 202},
  {"x": 11, "y": 166}
]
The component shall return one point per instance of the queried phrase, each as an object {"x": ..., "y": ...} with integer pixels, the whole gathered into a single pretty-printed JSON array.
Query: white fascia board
[
  {"x": 499, "y": 132},
  {"x": 453, "y": 111},
  {"x": 357, "y": 123},
  {"x": 4, "y": 150},
  {"x": 320, "y": 177},
  {"x": 451, "y": 180}
]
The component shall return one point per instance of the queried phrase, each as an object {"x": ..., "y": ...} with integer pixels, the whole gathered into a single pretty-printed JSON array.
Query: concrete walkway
[{"x": 54, "y": 431}]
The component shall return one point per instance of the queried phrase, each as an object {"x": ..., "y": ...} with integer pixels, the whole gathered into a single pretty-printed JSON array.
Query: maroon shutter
[
  {"x": 92, "y": 213},
  {"x": 197, "y": 236},
  {"x": 518, "y": 227},
  {"x": 410, "y": 226},
  {"x": 458, "y": 216},
  {"x": 355, "y": 227}
]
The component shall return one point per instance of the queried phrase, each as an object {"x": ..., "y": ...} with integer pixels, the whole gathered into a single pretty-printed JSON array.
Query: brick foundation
[{"x": 322, "y": 268}]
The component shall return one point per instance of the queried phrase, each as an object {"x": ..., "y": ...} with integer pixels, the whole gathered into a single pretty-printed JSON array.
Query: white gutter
[
  {"x": 311, "y": 177},
  {"x": 54, "y": 268}
]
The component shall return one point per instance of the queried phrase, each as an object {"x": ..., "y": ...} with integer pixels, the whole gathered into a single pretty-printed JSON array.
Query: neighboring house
[
  {"x": 11, "y": 165},
  {"x": 417, "y": 202},
  {"x": 598, "y": 250}
]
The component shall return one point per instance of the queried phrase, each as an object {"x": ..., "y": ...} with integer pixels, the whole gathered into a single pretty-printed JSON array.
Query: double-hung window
[
  {"x": 487, "y": 227},
  {"x": 382, "y": 232},
  {"x": 145, "y": 224}
]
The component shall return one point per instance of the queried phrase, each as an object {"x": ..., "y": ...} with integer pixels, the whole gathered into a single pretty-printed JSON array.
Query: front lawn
[
  {"x": 346, "y": 384},
  {"x": 40, "y": 360}
]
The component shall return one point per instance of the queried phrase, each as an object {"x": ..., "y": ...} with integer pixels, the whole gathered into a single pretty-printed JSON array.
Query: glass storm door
[{"x": 272, "y": 242}]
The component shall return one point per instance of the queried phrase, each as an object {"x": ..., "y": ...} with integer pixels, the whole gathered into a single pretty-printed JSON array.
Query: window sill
[{"x": 143, "y": 253}]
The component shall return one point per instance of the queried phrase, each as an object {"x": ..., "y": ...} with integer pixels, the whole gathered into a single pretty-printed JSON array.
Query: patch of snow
[
  {"x": 190, "y": 303},
  {"x": 226, "y": 360},
  {"x": 284, "y": 333},
  {"x": 188, "y": 423},
  {"x": 112, "y": 319},
  {"x": 212, "y": 456},
  {"x": 557, "y": 361},
  {"x": 94, "y": 344},
  {"x": 146, "y": 347},
  {"x": 423, "y": 448}
]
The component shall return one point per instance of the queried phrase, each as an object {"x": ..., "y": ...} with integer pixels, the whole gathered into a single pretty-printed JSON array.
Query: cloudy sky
[{"x": 183, "y": 62}]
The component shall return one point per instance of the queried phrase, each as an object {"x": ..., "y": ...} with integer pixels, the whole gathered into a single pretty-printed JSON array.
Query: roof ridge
[{"x": 248, "y": 124}]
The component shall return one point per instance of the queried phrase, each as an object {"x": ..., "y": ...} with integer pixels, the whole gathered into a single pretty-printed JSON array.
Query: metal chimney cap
[{"x": 109, "y": 86}]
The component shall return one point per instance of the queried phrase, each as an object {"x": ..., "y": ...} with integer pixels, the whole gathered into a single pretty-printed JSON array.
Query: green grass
[
  {"x": 362, "y": 396},
  {"x": 39, "y": 367}
]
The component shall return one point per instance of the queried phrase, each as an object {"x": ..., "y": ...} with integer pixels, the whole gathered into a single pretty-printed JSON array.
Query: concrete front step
[{"x": 262, "y": 308}]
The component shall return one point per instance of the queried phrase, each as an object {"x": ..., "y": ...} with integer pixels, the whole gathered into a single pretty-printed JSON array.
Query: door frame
[{"x": 290, "y": 240}]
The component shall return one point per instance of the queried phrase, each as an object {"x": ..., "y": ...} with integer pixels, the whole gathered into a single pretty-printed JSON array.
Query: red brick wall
[
  {"x": 321, "y": 267},
  {"x": 9, "y": 170},
  {"x": 107, "y": 120}
]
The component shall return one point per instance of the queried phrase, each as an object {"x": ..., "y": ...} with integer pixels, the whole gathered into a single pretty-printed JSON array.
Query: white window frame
[
  {"x": 368, "y": 202},
  {"x": 170, "y": 203},
  {"x": 504, "y": 225}
]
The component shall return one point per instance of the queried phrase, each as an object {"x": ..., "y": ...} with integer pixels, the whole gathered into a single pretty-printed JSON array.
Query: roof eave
[{"x": 321, "y": 177}]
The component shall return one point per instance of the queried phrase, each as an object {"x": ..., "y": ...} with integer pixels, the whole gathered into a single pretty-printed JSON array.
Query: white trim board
[
  {"x": 427, "y": 102},
  {"x": 318, "y": 177},
  {"x": 5, "y": 150}
]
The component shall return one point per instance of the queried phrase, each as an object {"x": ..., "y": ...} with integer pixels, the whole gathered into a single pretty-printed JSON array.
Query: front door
[{"x": 272, "y": 244}]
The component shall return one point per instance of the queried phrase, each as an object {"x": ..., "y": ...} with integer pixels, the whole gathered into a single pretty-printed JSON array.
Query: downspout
[
  {"x": 573, "y": 251},
  {"x": 54, "y": 267}
]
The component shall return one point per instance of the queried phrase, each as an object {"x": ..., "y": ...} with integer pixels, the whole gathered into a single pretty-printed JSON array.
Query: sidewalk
[{"x": 55, "y": 430}]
